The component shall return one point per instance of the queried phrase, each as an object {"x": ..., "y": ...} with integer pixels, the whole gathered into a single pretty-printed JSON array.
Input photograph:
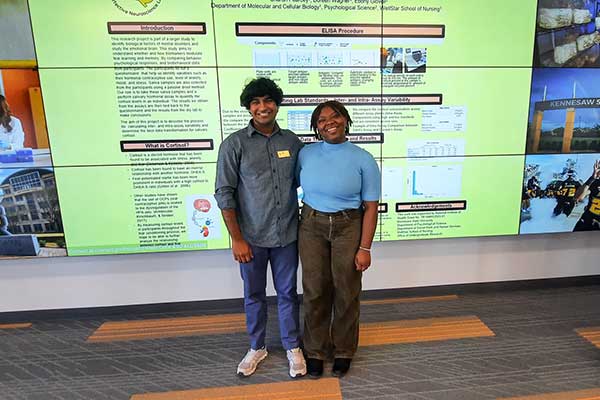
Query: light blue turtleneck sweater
[{"x": 337, "y": 177}]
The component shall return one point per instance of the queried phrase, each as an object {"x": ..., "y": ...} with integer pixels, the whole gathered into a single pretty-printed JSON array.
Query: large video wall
[{"x": 483, "y": 117}]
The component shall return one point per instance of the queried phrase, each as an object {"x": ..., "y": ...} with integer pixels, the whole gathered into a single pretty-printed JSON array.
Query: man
[
  {"x": 256, "y": 192},
  {"x": 565, "y": 194},
  {"x": 533, "y": 187},
  {"x": 590, "y": 219}
]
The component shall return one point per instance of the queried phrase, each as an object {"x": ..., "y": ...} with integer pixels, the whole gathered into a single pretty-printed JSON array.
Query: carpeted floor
[{"x": 532, "y": 344}]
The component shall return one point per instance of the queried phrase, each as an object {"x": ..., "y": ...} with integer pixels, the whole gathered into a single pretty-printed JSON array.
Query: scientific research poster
[
  {"x": 133, "y": 110},
  {"x": 141, "y": 93}
]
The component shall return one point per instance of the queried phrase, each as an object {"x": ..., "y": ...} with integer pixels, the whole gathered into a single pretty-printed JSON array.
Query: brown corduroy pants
[{"x": 327, "y": 243}]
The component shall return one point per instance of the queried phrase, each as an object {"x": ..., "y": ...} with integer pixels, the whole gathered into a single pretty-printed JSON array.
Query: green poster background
[
  {"x": 495, "y": 101},
  {"x": 477, "y": 33},
  {"x": 99, "y": 212},
  {"x": 481, "y": 66},
  {"x": 491, "y": 186},
  {"x": 234, "y": 116},
  {"x": 74, "y": 33},
  {"x": 233, "y": 51},
  {"x": 84, "y": 123}
]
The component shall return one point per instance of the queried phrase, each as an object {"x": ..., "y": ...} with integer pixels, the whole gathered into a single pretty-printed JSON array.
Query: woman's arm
[
  {"x": 17, "y": 138},
  {"x": 362, "y": 260}
]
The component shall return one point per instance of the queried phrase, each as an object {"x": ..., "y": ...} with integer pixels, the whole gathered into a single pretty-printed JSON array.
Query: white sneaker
[
  {"x": 248, "y": 365},
  {"x": 297, "y": 362}
]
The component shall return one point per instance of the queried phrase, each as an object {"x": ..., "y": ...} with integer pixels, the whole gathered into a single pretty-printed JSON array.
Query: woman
[
  {"x": 342, "y": 185},
  {"x": 11, "y": 130}
]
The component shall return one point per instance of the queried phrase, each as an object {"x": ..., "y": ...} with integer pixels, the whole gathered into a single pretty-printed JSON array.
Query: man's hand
[
  {"x": 242, "y": 252},
  {"x": 596, "y": 173},
  {"x": 362, "y": 260}
]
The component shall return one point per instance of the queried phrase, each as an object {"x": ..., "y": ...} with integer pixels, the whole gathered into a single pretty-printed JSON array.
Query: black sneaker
[
  {"x": 340, "y": 366},
  {"x": 314, "y": 367}
]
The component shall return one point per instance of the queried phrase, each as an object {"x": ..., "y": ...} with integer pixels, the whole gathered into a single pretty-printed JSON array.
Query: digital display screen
[{"x": 459, "y": 104}]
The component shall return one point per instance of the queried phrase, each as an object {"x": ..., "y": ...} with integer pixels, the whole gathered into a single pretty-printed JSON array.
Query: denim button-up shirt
[{"x": 256, "y": 177}]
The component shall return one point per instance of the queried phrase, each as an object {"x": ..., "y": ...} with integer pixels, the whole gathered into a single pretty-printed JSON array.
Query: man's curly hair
[{"x": 261, "y": 87}]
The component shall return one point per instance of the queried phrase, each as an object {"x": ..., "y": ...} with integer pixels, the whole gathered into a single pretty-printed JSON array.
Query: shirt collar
[
  {"x": 251, "y": 130},
  {"x": 334, "y": 146}
]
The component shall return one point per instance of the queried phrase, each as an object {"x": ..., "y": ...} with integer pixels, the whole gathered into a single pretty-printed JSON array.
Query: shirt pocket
[{"x": 286, "y": 167}]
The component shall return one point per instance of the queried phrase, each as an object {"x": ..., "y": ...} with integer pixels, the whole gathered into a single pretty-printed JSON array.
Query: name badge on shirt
[{"x": 283, "y": 154}]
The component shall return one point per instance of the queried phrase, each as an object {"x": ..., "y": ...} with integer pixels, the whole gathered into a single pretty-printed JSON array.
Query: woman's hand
[{"x": 362, "y": 260}]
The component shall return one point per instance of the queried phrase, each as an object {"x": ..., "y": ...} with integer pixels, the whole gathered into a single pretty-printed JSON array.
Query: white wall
[{"x": 73, "y": 282}]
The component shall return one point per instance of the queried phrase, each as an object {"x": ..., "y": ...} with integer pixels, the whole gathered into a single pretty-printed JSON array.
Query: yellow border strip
[
  {"x": 169, "y": 327},
  {"x": 587, "y": 394},
  {"x": 322, "y": 389},
  {"x": 410, "y": 300},
  {"x": 422, "y": 330},
  {"x": 18, "y": 64},
  {"x": 591, "y": 334},
  {"x": 16, "y": 326}
]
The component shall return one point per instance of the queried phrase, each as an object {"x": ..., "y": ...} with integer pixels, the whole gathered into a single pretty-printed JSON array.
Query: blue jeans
[{"x": 284, "y": 267}]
